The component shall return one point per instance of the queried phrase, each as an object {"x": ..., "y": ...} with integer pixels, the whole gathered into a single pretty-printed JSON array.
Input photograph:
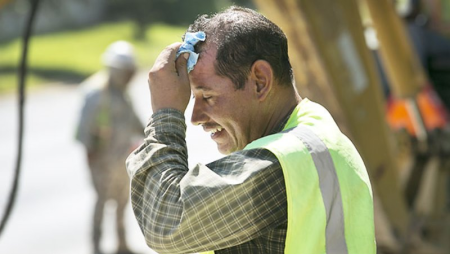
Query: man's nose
[{"x": 198, "y": 113}]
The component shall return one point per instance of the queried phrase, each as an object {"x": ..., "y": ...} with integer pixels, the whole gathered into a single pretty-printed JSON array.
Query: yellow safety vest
[{"x": 329, "y": 196}]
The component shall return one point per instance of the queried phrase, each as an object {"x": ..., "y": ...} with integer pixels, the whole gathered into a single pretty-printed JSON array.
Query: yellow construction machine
[{"x": 402, "y": 138}]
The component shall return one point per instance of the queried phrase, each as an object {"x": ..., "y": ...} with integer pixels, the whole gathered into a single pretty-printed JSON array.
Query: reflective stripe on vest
[{"x": 329, "y": 187}]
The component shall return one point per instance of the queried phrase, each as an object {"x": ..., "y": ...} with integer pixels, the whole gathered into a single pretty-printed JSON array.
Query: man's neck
[{"x": 283, "y": 106}]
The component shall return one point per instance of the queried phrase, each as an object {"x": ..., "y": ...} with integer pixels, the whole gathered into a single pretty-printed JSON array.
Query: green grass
[{"x": 74, "y": 55}]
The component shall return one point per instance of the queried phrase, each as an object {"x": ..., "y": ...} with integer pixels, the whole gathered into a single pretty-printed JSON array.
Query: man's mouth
[{"x": 215, "y": 131}]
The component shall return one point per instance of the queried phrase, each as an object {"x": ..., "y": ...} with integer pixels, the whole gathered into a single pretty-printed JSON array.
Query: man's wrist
[
  {"x": 163, "y": 111},
  {"x": 166, "y": 120}
]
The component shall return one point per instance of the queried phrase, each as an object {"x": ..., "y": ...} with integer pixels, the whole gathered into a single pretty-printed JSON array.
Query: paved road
[{"x": 55, "y": 199}]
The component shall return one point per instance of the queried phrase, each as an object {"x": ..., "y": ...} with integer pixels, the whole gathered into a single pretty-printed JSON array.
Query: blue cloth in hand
[{"x": 190, "y": 40}]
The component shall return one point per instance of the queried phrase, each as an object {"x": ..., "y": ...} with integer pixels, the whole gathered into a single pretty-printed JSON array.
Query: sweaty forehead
[
  {"x": 206, "y": 59},
  {"x": 204, "y": 73}
]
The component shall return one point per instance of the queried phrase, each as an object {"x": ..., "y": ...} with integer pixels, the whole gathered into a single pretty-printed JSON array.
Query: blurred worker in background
[
  {"x": 291, "y": 181},
  {"x": 107, "y": 128}
]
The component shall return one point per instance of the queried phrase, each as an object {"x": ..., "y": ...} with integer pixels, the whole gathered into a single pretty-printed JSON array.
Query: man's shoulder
[
  {"x": 92, "y": 96},
  {"x": 254, "y": 154},
  {"x": 93, "y": 85}
]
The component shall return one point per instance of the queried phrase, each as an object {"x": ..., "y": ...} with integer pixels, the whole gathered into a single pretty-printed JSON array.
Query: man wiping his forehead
[
  {"x": 290, "y": 181},
  {"x": 190, "y": 40}
]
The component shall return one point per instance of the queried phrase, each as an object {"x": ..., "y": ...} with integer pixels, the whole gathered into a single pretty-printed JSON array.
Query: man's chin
[{"x": 225, "y": 150}]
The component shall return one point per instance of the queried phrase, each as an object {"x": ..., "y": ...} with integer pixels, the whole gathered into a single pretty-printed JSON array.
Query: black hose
[{"x": 21, "y": 89}]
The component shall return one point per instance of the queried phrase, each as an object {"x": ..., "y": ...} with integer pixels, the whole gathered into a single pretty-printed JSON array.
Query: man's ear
[{"x": 262, "y": 76}]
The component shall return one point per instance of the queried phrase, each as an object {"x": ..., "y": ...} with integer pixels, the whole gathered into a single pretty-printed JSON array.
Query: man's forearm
[{"x": 156, "y": 169}]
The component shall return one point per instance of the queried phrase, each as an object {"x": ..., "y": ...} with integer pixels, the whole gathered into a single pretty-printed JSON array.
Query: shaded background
[{"x": 55, "y": 200}]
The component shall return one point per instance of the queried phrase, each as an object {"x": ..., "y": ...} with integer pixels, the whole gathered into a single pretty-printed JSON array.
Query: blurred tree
[
  {"x": 56, "y": 15},
  {"x": 176, "y": 12},
  {"x": 52, "y": 16}
]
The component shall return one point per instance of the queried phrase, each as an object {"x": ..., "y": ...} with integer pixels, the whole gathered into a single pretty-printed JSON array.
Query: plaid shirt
[{"x": 236, "y": 204}]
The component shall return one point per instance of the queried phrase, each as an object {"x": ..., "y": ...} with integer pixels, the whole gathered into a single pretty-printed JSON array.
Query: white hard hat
[{"x": 119, "y": 54}]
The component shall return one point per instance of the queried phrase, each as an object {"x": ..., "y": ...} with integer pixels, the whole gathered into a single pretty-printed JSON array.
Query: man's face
[
  {"x": 223, "y": 111},
  {"x": 121, "y": 77}
]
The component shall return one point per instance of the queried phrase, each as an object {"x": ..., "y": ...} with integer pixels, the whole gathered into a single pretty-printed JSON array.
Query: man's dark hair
[{"x": 243, "y": 36}]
